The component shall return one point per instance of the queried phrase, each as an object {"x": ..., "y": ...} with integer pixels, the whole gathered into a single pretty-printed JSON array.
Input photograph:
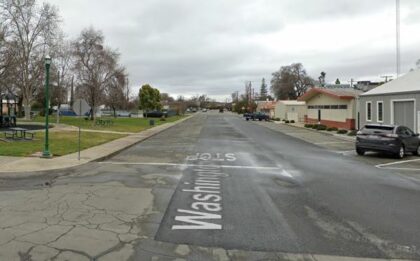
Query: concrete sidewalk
[
  {"x": 330, "y": 133},
  {"x": 328, "y": 140},
  {"x": 21, "y": 167}
]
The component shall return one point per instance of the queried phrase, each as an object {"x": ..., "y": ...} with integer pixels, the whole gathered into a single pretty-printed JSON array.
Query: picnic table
[
  {"x": 19, "y": 133},
  {"x": 104, "y": 122}
]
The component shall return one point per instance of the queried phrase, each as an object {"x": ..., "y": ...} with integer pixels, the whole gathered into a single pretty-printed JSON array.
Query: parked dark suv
[{"x": 396, "y": 140}]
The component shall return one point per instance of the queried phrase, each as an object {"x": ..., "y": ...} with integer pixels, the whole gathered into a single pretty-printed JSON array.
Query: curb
[{"x": 35, "y": 173}]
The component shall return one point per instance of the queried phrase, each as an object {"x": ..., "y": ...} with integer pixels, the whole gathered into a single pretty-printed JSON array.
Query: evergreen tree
[
  {"x": 337, "y": 81},
  {"x": 264, "y": 90},
  {"x": 322, "y": 79}
]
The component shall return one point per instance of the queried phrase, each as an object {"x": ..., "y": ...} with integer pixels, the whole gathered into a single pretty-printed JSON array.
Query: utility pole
[
  {"x": 72, "y": 91},
  {"x": 398, "y": 23},
  {"x": 386, "y": 77},
  {"x": 351, "y": 82}
]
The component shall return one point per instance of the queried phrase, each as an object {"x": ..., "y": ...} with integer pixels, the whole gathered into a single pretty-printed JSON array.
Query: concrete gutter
[{"x": 24, "y": 167}]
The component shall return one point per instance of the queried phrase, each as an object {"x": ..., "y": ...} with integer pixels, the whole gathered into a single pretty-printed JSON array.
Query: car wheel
[
  {"x": 401, "y": 152},
  {"x": 360, "y": 152}
]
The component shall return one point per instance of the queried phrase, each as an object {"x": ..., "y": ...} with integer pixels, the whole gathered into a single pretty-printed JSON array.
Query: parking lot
[{"x": 409, "y": 166}]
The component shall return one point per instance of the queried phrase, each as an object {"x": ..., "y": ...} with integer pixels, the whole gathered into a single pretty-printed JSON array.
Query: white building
[{"x": 291, "y": 110}]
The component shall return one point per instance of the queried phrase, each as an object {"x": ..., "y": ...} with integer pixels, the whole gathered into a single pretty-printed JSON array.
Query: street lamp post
[{"x": 46, "y": 153}]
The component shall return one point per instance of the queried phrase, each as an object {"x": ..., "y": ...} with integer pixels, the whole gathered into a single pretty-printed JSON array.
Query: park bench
[
  {"x": 29, "y": 135},
  {"x": 9, "y": 134}
]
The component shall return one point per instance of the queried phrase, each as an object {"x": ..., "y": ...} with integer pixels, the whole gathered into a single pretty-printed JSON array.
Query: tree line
[
  {"x": 287, "y": 83},
  {"x": 84, "y": 67},
  {"x": 292, "y": 81}
]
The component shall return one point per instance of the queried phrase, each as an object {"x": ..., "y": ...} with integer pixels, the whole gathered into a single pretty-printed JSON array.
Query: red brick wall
[{"x": 349, "y": 124}]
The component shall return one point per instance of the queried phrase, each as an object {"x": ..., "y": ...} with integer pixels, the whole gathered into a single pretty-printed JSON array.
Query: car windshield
[{"x": 374, "y": 129}]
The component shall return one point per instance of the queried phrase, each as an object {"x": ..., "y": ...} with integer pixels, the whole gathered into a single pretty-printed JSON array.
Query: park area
[
  {"x": 110, "y": 123},
  {"x": 63, "y": 138}
]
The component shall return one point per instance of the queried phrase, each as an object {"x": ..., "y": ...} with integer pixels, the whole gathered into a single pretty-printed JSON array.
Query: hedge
[
  {"x": 332, "y": 129},
  {"x": 342, "y": 131},
  {"x": 321, "y": 127}
]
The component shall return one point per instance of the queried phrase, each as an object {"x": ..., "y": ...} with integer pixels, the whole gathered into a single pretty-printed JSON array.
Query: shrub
[
  {"x": 286, "y": 121},
  {"x": 332, "y": 129},
  {"x": 321, "y": 127},
  {"x": 277, "y": 119},
  {"x": 309, "y": 126},
  {"x": 352, "y": 133},
  {"x": 342, "y": 131},
  {"x": 315, "y": 126},
  {"x": 292, "y": 121}
]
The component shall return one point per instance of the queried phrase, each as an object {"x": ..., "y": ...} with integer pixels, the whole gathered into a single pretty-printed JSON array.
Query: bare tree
[
  {"x": 4, "y": 57},
  {"x": 116, "y": 91},
  {"x": 95, "y": 66},
  {"x": 62, "y": 73},
  {"x": 32, "y": 30},
  {"x": 290, "y": 82}
]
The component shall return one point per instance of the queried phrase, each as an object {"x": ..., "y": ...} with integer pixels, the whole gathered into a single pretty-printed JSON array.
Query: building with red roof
[{"x": 333, "y": 107}]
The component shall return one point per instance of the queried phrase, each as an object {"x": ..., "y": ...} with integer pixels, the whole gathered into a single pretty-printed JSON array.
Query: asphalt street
[
  {"x": 216, "y": 187},
  {"x": 286, "y": 195}
]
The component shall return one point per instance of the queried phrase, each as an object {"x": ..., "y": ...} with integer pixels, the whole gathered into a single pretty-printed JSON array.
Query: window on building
[
  {"x": 368, "y": 111},
  {"x": 380, "y": 108},
  {"x": 327, "y": 107}
]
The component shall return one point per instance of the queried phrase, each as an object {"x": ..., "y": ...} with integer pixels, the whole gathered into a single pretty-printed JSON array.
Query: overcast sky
[{"x": 192, "y": 47}]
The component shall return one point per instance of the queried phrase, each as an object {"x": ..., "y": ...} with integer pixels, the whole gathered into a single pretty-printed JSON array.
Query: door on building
[
  {"x": 404, "y": 114},
  {"x": 319, "y": 115}
]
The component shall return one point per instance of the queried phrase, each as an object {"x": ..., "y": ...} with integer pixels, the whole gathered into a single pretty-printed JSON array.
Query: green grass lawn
[
  {"x": 61, "y": 143},
  {"x": 119, "y": 124}
]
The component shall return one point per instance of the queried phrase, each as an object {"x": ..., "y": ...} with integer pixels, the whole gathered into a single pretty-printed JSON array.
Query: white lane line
[
  {"x": 405, "y": 169},
  {"x": 189, "y": 165},
  {"x": 332, "y": 142},
  {"x": 396, "y": 163},
  {"x": 286, "y": 174}
]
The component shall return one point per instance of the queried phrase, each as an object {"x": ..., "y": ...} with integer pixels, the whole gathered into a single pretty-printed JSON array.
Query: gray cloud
[{"x": 193, "y": 46}]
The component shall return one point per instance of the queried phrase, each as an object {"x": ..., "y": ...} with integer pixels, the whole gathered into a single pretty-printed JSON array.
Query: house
[
  {"x": 333, "y": 107},
  {"x": 395, "y": 102},
  {"x": 291, "y": 110},
  {"x": 267, "y": 107}
]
